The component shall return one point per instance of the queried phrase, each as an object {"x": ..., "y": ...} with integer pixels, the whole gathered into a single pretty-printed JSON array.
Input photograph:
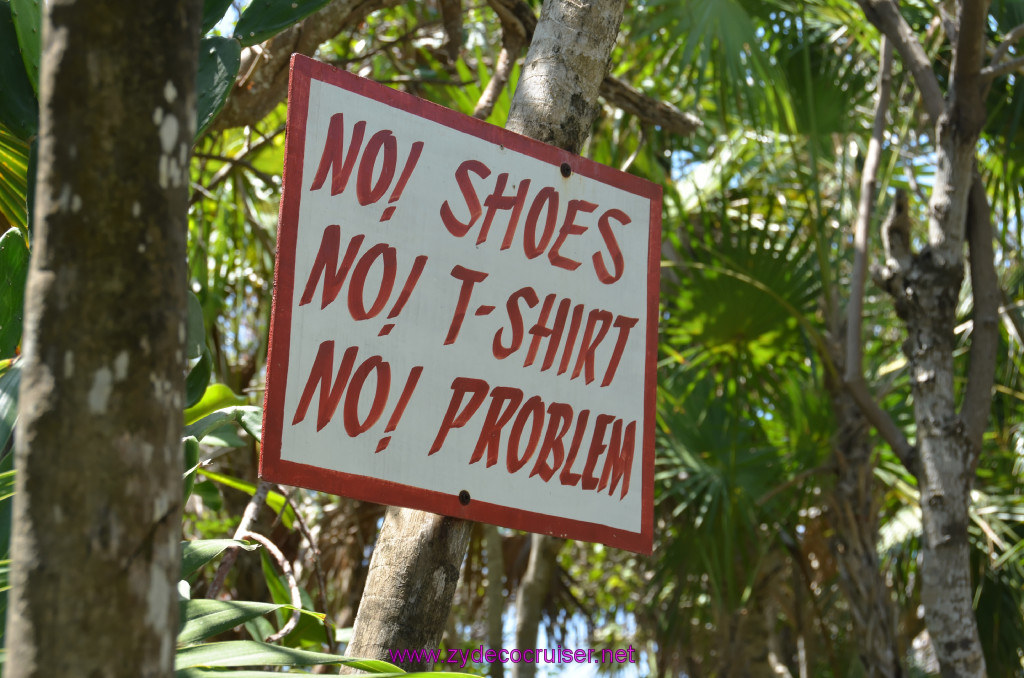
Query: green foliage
[
  {"x": 213, "y": 12},
  {"x": 309, "y": 632},
  {"x": 758, "y": 208},
  {"x": 717, "y": 44},
  {"x": 248, "y": 417},
  {"x": 275, "y": 500},
  {"x": 10, "y": 381},
  {"x": 13, "y": 271},
  {"x": 191, "y": 446},
  {"x": 219, "y": 59},
  {"x": 265, "y": 18},
  {"x": 15, "y": 159},
  {"x": 195, "y": 329},
  {"x": 28, "y": 24},
  {"x": 202, "y": 619},
  {"x": 215, "y": 397},
  {"x": 239, "y": 653},
  {"x": 197, "y": 553},
  {"x": 18, "y": 107},
  {"x": 198, "y": 379}
]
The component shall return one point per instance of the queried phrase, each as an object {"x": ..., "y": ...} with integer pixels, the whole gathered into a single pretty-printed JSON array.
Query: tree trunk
[
  {"x": 925, "y": 287},
  {"x": 853, "y": 514},
  {"x": 495, "y": 595},
  {"x": 99, "y": 462},
  {"x": 533, "y": 589},
  {"x": 945, "y": 474},
  {"x": 410, "y": 585},
  {"x": 555, "y": 102},
  {"x": 556, "y": 99}
]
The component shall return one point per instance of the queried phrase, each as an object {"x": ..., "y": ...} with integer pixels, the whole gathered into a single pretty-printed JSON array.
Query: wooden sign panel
[{"x": 465, "y": 320}]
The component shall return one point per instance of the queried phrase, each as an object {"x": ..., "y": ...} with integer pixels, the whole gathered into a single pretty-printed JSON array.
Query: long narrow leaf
[
  {"x": 198, "y": 672},
  {"x": 206, "y": 618},
  {"x": 251, "y": 653},
  {"x": 197, "y": 553}
]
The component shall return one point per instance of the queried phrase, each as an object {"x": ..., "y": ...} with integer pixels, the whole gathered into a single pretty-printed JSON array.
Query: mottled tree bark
[
  {"x": 414, "y": 569},
  {"x": 410, "y": 585},
  {"x": 925, "y": 288},
  {"x": 556, "y": 99},
  {"x": 99, "y": 461}
]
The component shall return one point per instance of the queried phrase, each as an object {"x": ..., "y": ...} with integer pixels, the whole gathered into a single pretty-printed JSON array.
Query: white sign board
[{"x": 465, "y": 320}]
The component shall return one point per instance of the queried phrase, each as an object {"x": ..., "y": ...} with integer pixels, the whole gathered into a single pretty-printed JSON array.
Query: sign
[{"x": 465, "y": 319}]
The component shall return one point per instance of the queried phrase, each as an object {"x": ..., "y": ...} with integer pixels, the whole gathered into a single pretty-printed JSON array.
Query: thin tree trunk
[
  {"x": 555, "y": 102},
  {"x": 533, "y": 589},
  {"x": 556, "y": 99},
  {"x": 410, "y": 585},
  {"x": 853, "y": 509},
  {"x": 854, "y": 517},
  {"x": 925, "y": 287},
  {"x": 945, "y": 476},
  {"x": 495, "y": 596},
  {"x": 99, "y": 462}
]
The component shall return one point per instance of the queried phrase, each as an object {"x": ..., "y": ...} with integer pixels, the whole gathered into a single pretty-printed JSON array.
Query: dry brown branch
[
  {"x": 885, "y": 15},
  {"x": 252, "y": 510},
  {"x": 289, "y": 575}
]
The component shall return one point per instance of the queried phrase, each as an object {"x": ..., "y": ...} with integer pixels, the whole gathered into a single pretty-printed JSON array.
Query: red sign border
[{"x": 302, "y": 71}]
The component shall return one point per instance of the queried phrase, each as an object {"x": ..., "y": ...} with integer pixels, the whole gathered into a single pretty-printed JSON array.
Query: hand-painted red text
[
  {"x": 540, "y": 433},
  {"x": 541, "y": 223},
  {"x": 382, "y": 147},
  {"x": 349, "y": 382},
  {"x": 327, "y": 267},
  {"x": 562, "y": 333}
]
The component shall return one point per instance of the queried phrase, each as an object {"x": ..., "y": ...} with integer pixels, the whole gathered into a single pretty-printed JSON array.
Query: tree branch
[
  {"x": 263, "y": 79},
  {"x": 990, "y": 73},
  {"x": 970, "y": 39},
  {"x": 451, "y": 16},
  {"x": 649, "y": 110},
  {"x": 263, "y": 75},
  {"x": 252, "y": 509},
  {"x": 221, "y": 174},
  {"x": 977, "y": 398},
  {"x": 289, "y": 576},
  {"x": 883, "y": 423},
  {"x": 502, "y": 70},
  {"x": 514, "y": 35},
  {"x": 854, "y": 353},
  {"x": 1011, "y": 39},
  {"x": 967, "y": 103},
  {"x": 321, "y": 582},
  {"x": 265, "y": 177},
  {"x": 514, "y": 13},
  {"x": 885, "y": 15}
]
